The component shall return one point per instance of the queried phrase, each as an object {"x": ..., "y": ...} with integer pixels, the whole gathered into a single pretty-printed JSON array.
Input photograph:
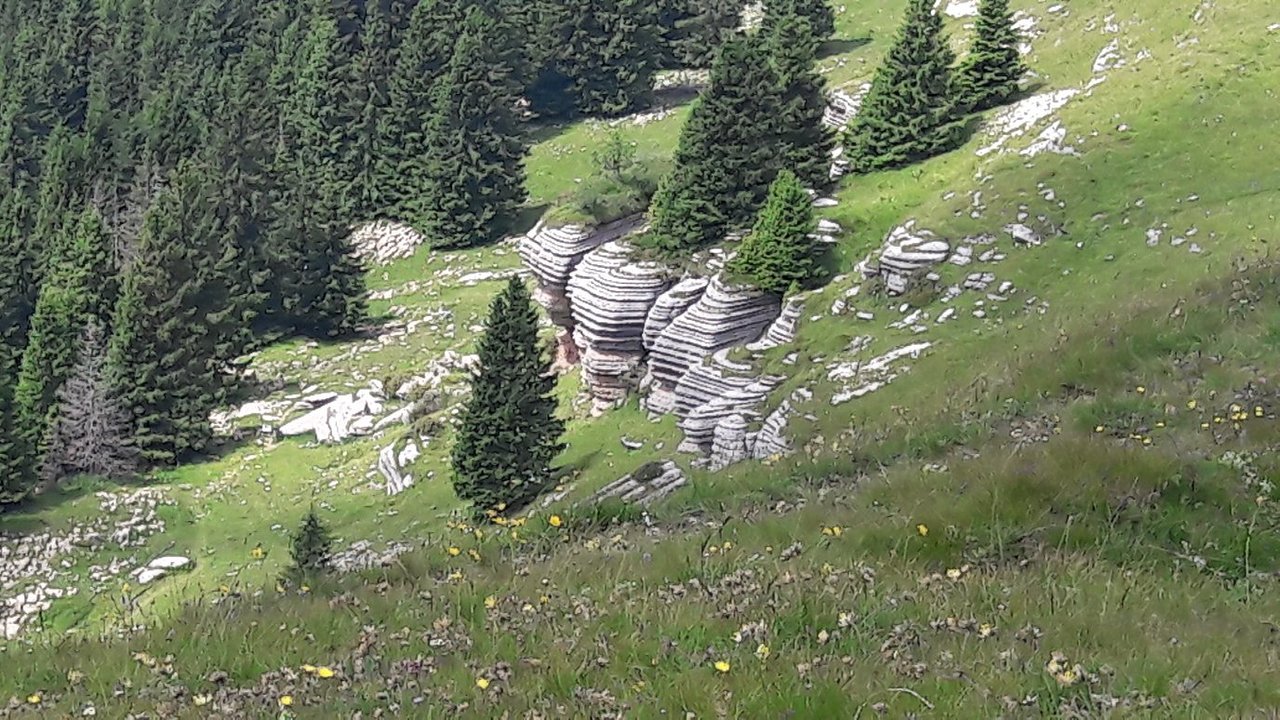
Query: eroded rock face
[
  {"x": 772, "y": 441},
  {"x": 611, "y": 295},
  {"x": 670, "y": 305},
  {"x": 553, "y": 251},
  {"x": 392, "y": 463},
  {"x": 645, "y": 485},
  {"x": 907, "y": 252},
  {"x": 724, "y": 317},
  {"x": 843, "y": 106}
]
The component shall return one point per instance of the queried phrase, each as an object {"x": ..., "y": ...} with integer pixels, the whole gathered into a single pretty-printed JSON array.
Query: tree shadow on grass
[
  {"x": 840, "y": 46},
  {"x": 29, "y": 516}
]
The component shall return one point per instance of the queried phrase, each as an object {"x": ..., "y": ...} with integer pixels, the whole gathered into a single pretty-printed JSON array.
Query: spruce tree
[
  {"x": 421, "y": 58},
  {"x": 311, "y": 549},
  {"x": 473, "y": 167},
  {"x": 605, "y": 56},
  {"x": 727, "y": 153},
  {"x": 989, "y": 75},
  {"x": 78, "y": 285},
  {"x": 818, "y": 13},
  {"x": 780, "y": 254},
  {"x": 692, "y": 32},
  {"x": 805, "y": 143},
  {"x": 90, "y": 435},
  {"x": 509, "y": 433},
  {"x": 910, "y": 112},
  {"x": 167, "y": 353},
  {"x": 15, "y": 309},
  {"x": 366, "y": 103}
]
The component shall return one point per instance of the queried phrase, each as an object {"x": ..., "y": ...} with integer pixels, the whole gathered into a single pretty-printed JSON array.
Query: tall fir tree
[
  {"x": 166, "y": 356},
  {"x": 605, "y": 54},
  {"x": 509, "y": 433},
  {"x": 15, "y": 311},
  {"x": 780, "y": 254},
  {"x": 805, "y": 143},
  {"x": 319, "y": 281},
  {"x": 727, "y": 153},
  {"x": 989, "y": 75},
  {"x": 474, "y": 161},
  {"x": 691, "y": 32},
  {"x": 367, "y": 102},
  {"x": 423, "y": 54},
  {"x": 90, "y": 435},
  {"x": 818, "y": 13},
  {"x": 910, "y": 113}
]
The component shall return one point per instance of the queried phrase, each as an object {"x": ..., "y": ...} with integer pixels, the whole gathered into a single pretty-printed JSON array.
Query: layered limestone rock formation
[
  {"x": 553, "y": 252},
  {"x": 611, "y": 295},
  {"x": 645, "y": 485},
  {"x": 671, "y": 305},
  {"x": 725, "y": 316},
  {"x": 843, "y": 106},
  {"x": 906, "y": 253}
]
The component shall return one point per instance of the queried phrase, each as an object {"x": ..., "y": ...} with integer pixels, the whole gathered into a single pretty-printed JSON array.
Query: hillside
[{"x": 1037, "y": 485}]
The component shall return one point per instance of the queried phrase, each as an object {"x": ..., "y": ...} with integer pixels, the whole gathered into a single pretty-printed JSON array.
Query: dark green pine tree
[
  {"x": 319, "y": 283},
  {"x": 989, "y": 75},
  {"x": 169, "y": 329},
  {"x": 604, "y": 58},
  {"x": 50, "y": 355},
  {"x": 474, "y": 162},
  {"x": 421, "y": 58},
  {"x": 367, "y": 103},
  {"x": 509, "y": 433},
  {"x": 60, "y": 196},
  {"x": 780, "y": 255},
  {"x": 821, "y": 18},
  {"x": 311, "y": 549},
  {"x": 15, "y": 310},
  {"x": 727, "y": 154},
  {"x": 910, "y": 113},
  {"x": 691, "y": 32},
  {"x": 80, "y": 285},
  {"x": 805, "y": 144}
]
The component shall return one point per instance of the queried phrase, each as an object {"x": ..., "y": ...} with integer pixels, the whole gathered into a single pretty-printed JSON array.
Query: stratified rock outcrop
[
  {"x": 647, "y": 484},
  {"x": 553, "y": 251},
  {"x": 671, "y": 305},
  {"x": 724, "y": 317},
  {"x": 771, "y": 441},
  {"x": 610, "y": 295},
  {"x": 906, "y": 253}
]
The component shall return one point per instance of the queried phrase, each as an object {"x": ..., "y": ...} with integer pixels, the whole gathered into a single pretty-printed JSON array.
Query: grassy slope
[{"x": 1091, "y": 537}]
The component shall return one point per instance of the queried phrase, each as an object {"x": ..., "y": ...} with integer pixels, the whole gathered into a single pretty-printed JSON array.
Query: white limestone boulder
[{"x": 552, "y": 252}]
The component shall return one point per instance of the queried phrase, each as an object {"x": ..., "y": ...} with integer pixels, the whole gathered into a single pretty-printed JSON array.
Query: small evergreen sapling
[
  {"x": 311, "y": 549},
  {"x": 779, "y": 255}
]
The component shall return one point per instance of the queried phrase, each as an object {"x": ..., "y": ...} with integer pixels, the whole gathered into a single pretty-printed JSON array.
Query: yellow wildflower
[
  {"x": 304, "y": 589},
  {"x": 34, "y": 698},
  {"x": 475, "y": 554},
  {"x": 762, "y": 651},
  {"x": 923, "y": 530},
  {"x": 722, "y": 666},
  {"x": 201, "y": 700},
  {"x": 555, "y": 521},
  {"x": 1099, "y": 429},
  {"x": 986, "y": 630},
  {"x": 1141, "y": 390},
  {"x": 1191, "y": 404},
  {"x": 454, "y": 551},
  {"x": 491, "y": 602},
  {"x": 455, "y": 576},
  {"x": 286, "y": 700},
  {"x": 324, "y": 672},
  {"x": 1257, "y": 412},
  {"x": 482, "y": 683},
  {"x": 257, "y": 553},
  {"x": 308, "y": 668},
  {"x": 954, "y": 573},
  {"x": 1067, "y": 678}
]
